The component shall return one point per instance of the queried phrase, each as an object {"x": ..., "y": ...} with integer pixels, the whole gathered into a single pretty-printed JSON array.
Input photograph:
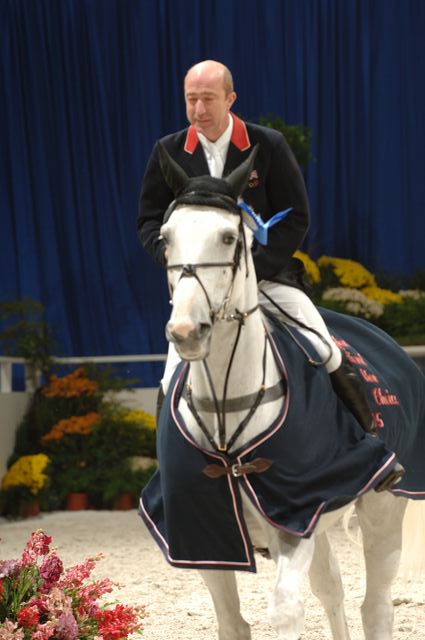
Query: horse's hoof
[{"x": 391, "y": 479}]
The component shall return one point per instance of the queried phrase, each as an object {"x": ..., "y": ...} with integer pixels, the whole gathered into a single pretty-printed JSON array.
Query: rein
[
  {"x": 221, "y": 411},
  {"x": 190, "y": 271}
]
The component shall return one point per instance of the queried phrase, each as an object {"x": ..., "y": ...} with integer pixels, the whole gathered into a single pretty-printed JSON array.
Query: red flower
[
  {"x": 1, "y": 589},
  {"x": 51, "y": 570},
  {"x": 37, "y": 546},
  {"x": 118, "y": 623},
  {"x": 28, "y": 616}
]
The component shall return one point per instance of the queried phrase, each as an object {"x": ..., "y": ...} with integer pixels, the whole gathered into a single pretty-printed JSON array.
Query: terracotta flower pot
[
  {"x": 32, "y": 508},
  {"x": 124, "y": 502},
  {"x": 77, "y": 501}
]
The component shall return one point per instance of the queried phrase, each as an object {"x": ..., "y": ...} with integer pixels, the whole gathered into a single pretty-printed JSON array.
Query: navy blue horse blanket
[{"x": 321, "y": 457}]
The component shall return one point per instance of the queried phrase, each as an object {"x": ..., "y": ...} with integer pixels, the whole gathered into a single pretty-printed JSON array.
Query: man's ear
[{"x": 231, "y": 98}]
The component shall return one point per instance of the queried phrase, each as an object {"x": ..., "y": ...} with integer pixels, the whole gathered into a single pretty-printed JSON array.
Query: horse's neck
[
  {"x": 245, "y": 376},
  {"x": 245, "y": 372}
]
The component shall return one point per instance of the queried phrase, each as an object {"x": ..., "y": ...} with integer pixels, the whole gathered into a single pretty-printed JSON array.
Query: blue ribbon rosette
[{"x": 257, "y": 224}]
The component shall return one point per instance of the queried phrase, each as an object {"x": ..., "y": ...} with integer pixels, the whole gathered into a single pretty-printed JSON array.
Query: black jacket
[{"x": 276, "y": 183}]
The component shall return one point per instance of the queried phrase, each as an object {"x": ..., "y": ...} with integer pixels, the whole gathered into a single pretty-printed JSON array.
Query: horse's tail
[{"x": 413, "y": 549}]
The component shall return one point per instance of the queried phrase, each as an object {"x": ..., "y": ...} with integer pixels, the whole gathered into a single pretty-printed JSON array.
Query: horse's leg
[
  {"x": 293, "y": 558},
  {"x": 326, "y": 584},
  {"x": 224, "y": 592},
  {"x": 380, "y": 518}
]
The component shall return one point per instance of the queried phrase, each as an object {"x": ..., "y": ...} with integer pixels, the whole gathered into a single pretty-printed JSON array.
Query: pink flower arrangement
[{"x": 39, "y": 599}]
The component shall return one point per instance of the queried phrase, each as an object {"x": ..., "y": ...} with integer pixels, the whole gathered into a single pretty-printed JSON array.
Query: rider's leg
[{"x": 345, "y": 381}]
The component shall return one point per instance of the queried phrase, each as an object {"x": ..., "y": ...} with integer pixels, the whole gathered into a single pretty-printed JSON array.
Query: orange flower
[
  {"x": 81, "y": 425},
  {"x": 72, "y": 385}
]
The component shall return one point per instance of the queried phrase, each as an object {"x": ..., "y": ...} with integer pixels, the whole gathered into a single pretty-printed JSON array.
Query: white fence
[{"x": 7, "y": 363}]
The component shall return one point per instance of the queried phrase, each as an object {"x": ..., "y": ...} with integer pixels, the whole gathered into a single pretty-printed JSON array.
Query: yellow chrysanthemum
[
  {"x": 138, "y": 415},
  {"x": 384, "y": 296},
  {"x": 310, "y": 266},
  {"x": 27, "y": 471},
  {"x": 350, "y": 273}
]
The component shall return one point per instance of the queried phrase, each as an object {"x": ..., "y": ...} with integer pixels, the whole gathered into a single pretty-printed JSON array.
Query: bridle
[
  {"x": 220, "y": 314},
  {"x": 191, "y": 271}
]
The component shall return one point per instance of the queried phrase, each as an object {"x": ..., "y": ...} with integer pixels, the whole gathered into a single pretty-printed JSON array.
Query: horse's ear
[
  {"x": 238, "y": 179},
  {"x": 173, "y": 174}
]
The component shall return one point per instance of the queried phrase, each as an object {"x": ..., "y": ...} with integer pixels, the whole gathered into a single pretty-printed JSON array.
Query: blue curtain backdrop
[{"x": 87, "y": 86}]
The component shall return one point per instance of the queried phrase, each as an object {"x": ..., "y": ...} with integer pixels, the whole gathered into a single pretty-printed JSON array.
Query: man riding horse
[{"x": 215, "y": 143}]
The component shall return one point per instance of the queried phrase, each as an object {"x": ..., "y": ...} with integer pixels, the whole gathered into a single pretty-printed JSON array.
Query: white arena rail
[
  {"x": 6, "y": 365},
  {"x": 417, "y": 352}
]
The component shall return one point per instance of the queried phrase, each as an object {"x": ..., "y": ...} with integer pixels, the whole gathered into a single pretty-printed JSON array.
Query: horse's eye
[
  {"x": 164, "y": 238},
  {"x": 228, "y": 238}
]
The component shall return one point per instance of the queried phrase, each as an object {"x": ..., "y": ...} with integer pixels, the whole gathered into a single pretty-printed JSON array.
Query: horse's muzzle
[{"x": 191, "y": 340}]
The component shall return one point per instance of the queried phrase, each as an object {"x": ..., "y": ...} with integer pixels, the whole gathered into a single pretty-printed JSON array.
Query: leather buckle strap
[{"x": 259, "y": 465}]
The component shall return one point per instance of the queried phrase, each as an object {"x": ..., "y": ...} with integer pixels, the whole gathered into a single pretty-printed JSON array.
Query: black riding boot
[
  {"x": 159, "y": 400},
  {"x": 348, "y": 388}
]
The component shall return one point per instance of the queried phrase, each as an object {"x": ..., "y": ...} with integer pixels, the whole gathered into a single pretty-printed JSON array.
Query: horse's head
[{"x": 208, "y": 256}]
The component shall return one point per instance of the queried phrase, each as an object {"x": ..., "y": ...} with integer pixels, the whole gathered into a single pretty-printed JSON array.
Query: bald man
[{"x": 216, "y": 142}]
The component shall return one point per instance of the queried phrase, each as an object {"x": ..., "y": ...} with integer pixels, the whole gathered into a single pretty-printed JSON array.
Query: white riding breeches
[{"x": 299, "y": 306}]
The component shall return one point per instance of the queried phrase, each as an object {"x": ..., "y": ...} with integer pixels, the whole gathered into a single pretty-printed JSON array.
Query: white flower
[
  {"x": 415, "y": 294},
  {"x": 355, "y": 301}
]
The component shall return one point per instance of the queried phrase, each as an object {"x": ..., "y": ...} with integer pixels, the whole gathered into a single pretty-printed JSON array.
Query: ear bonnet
[{"x": 221, "y": 193}]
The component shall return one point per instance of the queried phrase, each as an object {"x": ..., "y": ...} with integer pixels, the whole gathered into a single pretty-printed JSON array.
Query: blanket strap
[{"x": 259, "y": 465}]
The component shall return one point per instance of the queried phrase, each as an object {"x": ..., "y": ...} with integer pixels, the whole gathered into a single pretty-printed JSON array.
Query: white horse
[{"x": 217, "y": 326}]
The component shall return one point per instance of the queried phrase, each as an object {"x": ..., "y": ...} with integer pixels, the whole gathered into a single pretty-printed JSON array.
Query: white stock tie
[{"x": 216, "y": 162}]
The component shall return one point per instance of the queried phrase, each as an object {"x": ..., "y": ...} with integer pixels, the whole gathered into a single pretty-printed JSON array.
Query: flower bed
[
  {"x": 39, "y": 599},
  {"x": 347, "y": 286},
  {"x": 84, "y": 439}
]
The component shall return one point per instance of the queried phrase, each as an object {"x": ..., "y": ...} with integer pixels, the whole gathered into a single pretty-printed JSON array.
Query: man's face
[{"x": 207, "y": 105}]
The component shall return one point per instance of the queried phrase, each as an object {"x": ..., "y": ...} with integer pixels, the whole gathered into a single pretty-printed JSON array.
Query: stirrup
[{"x": 391, "y": 479}]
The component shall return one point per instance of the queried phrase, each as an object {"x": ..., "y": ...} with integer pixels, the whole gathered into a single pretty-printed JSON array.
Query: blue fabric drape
[{"x": 86, "y": 86}]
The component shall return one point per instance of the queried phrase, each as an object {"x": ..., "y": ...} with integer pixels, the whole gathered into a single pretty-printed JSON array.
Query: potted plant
[
  {"x": 123, "y": 484},
  {"x": 298, "y": 136},
  {"x": 26, "y": 334},
  {"x": 23, "y": 484},
  {"x": 74, "y": 479}
]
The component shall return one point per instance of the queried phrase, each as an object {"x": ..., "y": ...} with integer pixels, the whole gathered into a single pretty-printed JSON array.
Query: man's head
[{"x": 209, "y": 95}]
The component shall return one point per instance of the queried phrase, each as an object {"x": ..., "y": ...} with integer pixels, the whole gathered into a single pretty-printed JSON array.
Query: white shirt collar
[
  {"x": 218, "y": 148},
  {"x": 222, "y": 143}
]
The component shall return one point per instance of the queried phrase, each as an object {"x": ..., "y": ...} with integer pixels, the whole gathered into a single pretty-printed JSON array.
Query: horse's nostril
[{"x": 204, "y": 328}]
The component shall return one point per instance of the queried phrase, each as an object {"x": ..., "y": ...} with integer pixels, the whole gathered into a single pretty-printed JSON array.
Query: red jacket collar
[{"x": 239, "y": 137}]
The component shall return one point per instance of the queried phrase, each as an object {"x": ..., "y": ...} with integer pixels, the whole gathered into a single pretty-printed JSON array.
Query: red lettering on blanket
[
  {"x": 378, "y": 422},
  {"x": 369, "y": 377},
  {"x": 384, "y": 398},
  {"x": 357, "y": 359},
  {"x": 340, "y": 342}
]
